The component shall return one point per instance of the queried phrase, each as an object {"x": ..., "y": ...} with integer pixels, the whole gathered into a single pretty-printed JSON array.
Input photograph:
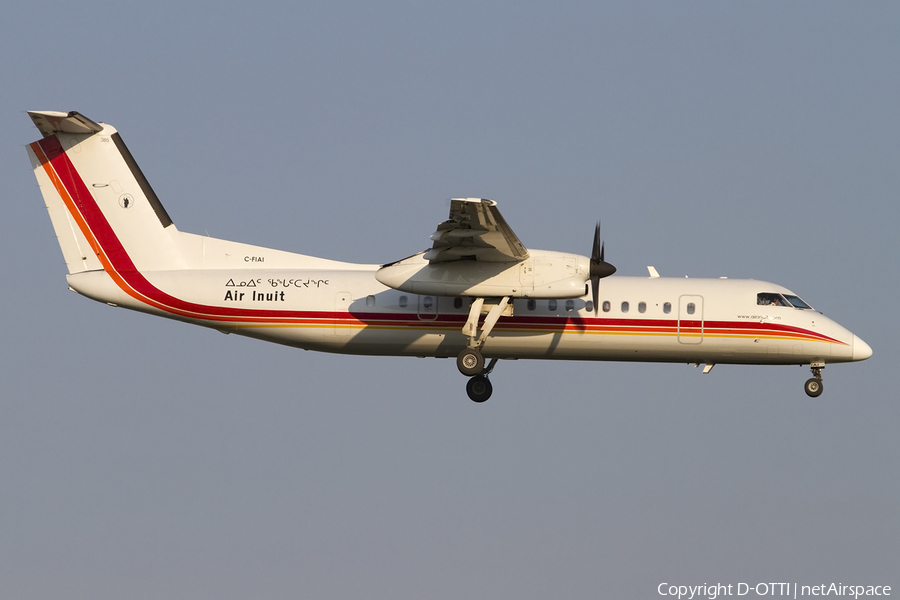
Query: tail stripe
[{"x": 39, "y": 152}]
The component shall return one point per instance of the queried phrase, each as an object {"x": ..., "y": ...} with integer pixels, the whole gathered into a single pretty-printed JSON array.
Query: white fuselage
[{"x": 341, "y": 307}]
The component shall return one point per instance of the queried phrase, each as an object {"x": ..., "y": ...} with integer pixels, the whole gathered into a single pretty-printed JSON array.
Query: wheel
[
  {"x": 479, "y": 388},
  {"x": 470, "y": 362},
  {"x": 813, "y": 387}
]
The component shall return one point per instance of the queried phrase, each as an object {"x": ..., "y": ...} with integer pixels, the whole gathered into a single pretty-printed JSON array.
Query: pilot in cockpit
[{"x": 769, "y": 299}]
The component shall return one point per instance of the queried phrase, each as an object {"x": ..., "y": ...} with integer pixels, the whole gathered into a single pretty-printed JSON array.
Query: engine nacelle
[{"x": 544, "y": 274}]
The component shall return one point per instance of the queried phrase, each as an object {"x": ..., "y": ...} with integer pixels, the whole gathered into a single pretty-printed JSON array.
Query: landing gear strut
[
  {"x": 470, "y": 361},
  {"x": 813, "y": 386}
]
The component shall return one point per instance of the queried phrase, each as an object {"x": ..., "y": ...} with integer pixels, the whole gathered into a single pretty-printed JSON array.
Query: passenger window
[
  {"x": 642, "y": 307},
  {"x": 551, "y": 305},
  {"x": 427, "y": 302},
  {"x": 667, "y": 307},
  {"x": 532, "y": 304},
  {"x": 691, "y": 307},
  {"x": 370, "y": 300},
  {"x": 606, "y": 306},
  {"x": 624, "y": 307},
  {"x": 457, "y": 303},
  {"x": 570, "y": 305},
  {"x": 589, "y": 306},
  {"x": 403, "y": 301}
]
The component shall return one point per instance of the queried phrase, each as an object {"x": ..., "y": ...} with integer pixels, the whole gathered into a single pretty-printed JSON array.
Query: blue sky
[{"x": 144, "y": 458}]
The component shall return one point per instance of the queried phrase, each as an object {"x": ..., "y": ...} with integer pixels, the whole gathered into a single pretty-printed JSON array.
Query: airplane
[{"x": 477, "y": 294}]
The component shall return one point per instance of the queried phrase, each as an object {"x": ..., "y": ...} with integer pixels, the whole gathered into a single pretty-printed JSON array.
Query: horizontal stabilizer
[{"x": 51, "y": 122}]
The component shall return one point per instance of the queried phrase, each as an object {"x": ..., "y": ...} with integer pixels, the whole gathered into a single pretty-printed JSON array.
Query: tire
[
  {"x": 479, "y": 388},
  {"x": 470, "y": 362},
  {"x": 813, "y": 387}
]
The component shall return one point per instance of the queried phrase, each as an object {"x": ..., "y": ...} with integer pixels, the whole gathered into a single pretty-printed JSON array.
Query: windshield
[
  {"x": 796, "y": 302},
  {"x": 775, "y": 299}
]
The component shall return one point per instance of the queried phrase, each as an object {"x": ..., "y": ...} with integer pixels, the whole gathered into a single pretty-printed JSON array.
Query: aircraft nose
[{"x": 861, "y": 350}]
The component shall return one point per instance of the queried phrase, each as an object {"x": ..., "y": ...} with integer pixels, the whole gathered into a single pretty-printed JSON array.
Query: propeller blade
[{"x": 599, "y": 267}]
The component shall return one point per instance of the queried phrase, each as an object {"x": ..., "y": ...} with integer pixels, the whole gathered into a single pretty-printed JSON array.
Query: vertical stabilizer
[{"x": 104, "y": 212}]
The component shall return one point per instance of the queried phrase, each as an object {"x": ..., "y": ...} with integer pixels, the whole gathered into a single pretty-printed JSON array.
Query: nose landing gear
[{"x": 813, "y": 386}]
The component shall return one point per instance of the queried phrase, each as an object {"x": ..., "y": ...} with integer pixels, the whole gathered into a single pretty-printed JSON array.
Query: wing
[
  {"x": 475, "y": 231},
  {"x": 476, "y": 254}
]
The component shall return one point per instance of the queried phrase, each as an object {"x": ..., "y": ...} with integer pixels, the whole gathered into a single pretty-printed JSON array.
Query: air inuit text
[{"x": 791, "y": 590}]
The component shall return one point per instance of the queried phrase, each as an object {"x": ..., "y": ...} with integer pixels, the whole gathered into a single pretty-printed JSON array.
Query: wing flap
[{"x": 475, "y": 230}]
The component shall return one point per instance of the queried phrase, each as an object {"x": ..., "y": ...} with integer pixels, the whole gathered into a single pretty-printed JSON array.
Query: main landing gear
[
  {"x": 813, "y": 386},
  {"x": 470, "y": 361},
  {"x": 479, "y": 387}
]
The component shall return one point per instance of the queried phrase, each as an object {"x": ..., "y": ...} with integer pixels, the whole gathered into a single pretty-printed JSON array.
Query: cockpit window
[
  {"x": 773, "y": 299},
  {"x": 796, "y": 302},
  {"x": 770, "y": 299}
]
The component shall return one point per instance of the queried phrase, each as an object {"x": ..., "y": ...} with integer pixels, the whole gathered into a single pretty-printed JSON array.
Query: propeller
[{"x": 599, "y": 267}]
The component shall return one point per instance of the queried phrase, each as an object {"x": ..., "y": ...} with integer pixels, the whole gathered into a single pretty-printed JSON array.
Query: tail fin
[{"x": 104, "y": 212}]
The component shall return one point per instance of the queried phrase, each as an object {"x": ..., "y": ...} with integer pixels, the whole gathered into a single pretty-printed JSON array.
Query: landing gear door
[{"x": 690, "y": 319}]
